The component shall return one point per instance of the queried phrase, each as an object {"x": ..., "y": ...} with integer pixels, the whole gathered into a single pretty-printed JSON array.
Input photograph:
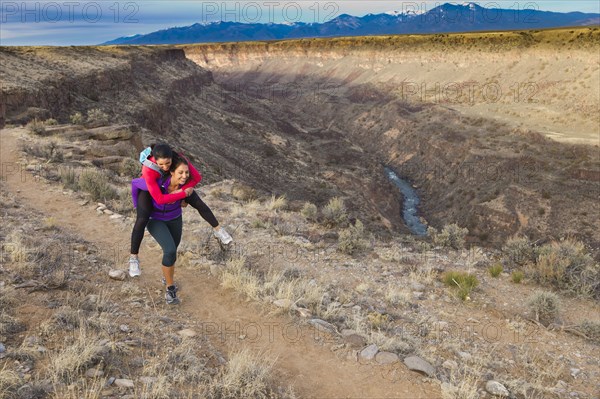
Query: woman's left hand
[{"x": 184, "y": 204}]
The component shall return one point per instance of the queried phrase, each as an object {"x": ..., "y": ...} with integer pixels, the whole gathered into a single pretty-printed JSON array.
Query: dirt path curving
[{"x": 304, "y": 358}]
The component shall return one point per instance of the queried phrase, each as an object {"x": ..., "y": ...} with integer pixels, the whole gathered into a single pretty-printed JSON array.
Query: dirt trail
[{"x": 302, "y": 361}]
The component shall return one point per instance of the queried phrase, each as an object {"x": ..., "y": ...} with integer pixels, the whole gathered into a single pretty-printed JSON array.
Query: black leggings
[{"x": 144, "y": 209}]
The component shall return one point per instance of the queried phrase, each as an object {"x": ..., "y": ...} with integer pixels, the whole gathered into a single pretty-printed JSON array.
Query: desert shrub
[
  {"x": 451, "y": 236},
  {"x": 334, "y": 213},
  {"x": 518, "y": 250},
  {"x": 97, "y": 116},
  {"x": 277, "y": 203},
  {"x": 98, "y": 185},
  {"x": 495, "y": 270},
  {"x": 130, "y": 168},
  {"x": 516, "y": 276},
  {"x": 50, "y": 122},
  {"x": 69, "y": 178},
  {"x": 76, "y": 118},
  {"x": 590, "y": 329},
  {"x": 351, "y": 239},
  {"x": 243, "y": 193},
  {"x": 461, "y": 281},
  {"x": 567, "y": 266},
  {"x": 36, "y": 127},
  {"x": 309, "y": 211},
  {"x": 545, "y": 306}
]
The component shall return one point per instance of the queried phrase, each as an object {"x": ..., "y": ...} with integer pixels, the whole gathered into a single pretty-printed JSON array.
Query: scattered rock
[
  {"x": 124, "y": 328},
  {"x": 464, "y": 355},
  {"x": 450, "y": 365},
  {"x": 386, "y": 358},
  {"x": 2, "y": 348},
  {"x": 495, "y": 388},
  {"x": 369, "y": 352},
  {"x": 322, "y": 325},
  {"x": 84, "y": 202},
  {"x": 187, "y": 333},
  {"x": 111, "y": 381},
  {"x": 416, "y": 363},
  {"x": 355, "y": 341},
  {"x": 417, "y": 286},
  {"x": 115, "y": 216},
  {"x": 94, "y": 373},
  {"x": 107, "y": 212},
  {"x": 575, "y": 372},
  {"x": 124, "y": 383},
  {"x": 101, "y": 205},
  {"x": 116, "y": 274},
  {"x": 303, "y": 312},
  {"x": 284, "y": 303}
]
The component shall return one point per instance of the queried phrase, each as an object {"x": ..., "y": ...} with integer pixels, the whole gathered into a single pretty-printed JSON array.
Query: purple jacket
[{"x": 160, "y": 212}]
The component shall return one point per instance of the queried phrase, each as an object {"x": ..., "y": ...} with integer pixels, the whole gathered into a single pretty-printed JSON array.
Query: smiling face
[
  {"x": 164, "y": 164},
  {"x": 180, "y": 175}
]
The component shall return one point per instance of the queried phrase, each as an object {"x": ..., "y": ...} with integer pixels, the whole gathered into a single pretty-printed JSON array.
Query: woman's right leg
[{"x": 144, "y": 209}]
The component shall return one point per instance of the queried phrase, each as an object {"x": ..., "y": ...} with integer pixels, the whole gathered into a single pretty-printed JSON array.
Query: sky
[{"x": 71, "y": 22}]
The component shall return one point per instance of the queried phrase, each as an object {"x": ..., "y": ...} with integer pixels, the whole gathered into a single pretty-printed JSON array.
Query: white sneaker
[
  {"x": 222, "y": 236},
  {"x": 134, "y": 267}
]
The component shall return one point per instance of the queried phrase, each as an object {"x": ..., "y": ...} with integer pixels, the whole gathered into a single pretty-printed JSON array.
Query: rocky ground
[{"x": 374, "y": 314}]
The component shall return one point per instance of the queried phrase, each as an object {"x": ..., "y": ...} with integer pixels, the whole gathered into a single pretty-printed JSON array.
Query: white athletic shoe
[
  {"x": 134, "y": 267},
  {"x": 222, "y": 236}
]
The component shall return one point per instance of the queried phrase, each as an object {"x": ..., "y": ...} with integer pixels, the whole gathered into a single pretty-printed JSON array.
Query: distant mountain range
[{"x": 445, "y": 18}]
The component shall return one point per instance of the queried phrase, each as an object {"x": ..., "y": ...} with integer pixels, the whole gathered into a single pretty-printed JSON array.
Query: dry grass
[
  {"x": 9, "y": 381},
  {"x": 81, "y": 352},
  {"x": 246, "y": 376},
  {"x": 277, "y": 203}
]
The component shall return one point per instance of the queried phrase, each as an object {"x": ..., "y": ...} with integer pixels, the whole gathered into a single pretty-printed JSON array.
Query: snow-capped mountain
[{"x": 445, "y": 18}]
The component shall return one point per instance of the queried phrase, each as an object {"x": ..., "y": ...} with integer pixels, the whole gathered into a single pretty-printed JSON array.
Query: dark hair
[
  {"x": 161, "y": 151},
  {"x": 177, "y": 160}
]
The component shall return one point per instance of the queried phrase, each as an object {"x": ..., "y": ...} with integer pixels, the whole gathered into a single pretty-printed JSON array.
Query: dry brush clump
[
  {"x": 351, "y": 239},
  {"x": 451, "y": 236},
  {"x": 334, "y": 213},
  {"x": 247, "y": 376},
  {"x": 98, "y": 185},
  {"x": 545, "y": 306},
  {"x": 567, "y": 266},
  {"x": 519, "y": 251}
]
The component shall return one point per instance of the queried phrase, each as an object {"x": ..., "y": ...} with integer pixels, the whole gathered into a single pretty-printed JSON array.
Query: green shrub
[
  {"x": 76, "y": 118},
  {"x": 351, "y": 239},
  {"x": 130, "y": 168},
  {"x": 97, "y": 116},
  {"x": 567, "y": 266},
  {"x": 461, "y": 281},
  {"x": 496, "y": 270},
  {"x": 309, "y": 211},
  {"x": 334, "y": 213},
  {"x": 51, "y": 122},
  {"x": 451, "y": 236},
  {"x": 545, "y": 306},
  {"x": 516, "y": 276},
  {"x": 518, "y": 251},
  {"x": 591, "y": 329},
  {"x": 36, "y": 127},
  {"x": 98, "y": 185},
  {"x": 69, "y": 178}
]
